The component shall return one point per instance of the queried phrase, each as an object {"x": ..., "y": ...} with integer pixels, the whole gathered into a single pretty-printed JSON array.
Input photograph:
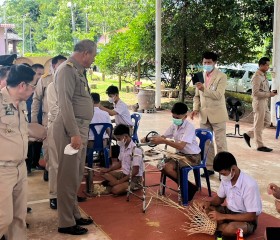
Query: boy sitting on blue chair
[
  {"x": 181, "y": 136},
  {"x": 118, "y": 181}
]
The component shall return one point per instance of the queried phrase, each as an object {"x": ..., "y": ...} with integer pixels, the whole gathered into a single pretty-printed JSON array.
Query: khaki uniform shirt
[
  {"x": 260, "y": 86},
  {"x": 13, "y": 129},
  {"x": 74, "y": 100},
  {"x": 40, "y": 97},
  {"x": 52, "y": 103}
]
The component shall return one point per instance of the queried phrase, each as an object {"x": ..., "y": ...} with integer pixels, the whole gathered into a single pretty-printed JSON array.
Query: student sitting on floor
[
  {"x": 242, "y": 195},
  {"x": 118, "y": 180},
  {"x": 182, "y": 133}
]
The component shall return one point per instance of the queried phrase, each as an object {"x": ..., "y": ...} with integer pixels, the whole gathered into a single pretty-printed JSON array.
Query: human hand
[
  {"x": 76, "y": 142},
  {"x": 216, "y": 216},
  {"x": 143, "y": 140},
  {"x": 104, "y": 170},
  {"x": 273, "y": 189},
  {"x": 199, "y": 86},
  {"x": 272, "y": 94},
  {"x": 157, "y": 139},
  {"x": 194, "y": 114}
]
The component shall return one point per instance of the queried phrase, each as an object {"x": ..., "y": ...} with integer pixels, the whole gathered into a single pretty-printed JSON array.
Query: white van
[{"x": 239, "y": 78}]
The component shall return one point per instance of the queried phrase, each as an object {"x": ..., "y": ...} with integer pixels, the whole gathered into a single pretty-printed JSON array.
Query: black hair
[
  {"x": 57, "y": 58},
  {"x": 36, "y": 66},
  {"x": 20, "y": 73},
  {"x": 95, "y": 97},
  {"x": 263, "y": 61},
  {"x": 121, "y": 129},
  {"x": 112, "y": 90},
  {"x": 179, "y": 108},
  {"x": 4, "y": 71},
  {"x": 26, "y": 64},
  {"x": 210, "y": 55},
  {"x": 224, "y": 161}
]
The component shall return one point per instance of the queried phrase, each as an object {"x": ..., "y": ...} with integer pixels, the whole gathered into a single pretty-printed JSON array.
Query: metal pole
[
  {"x": 158, "y": 54},
  {"x": 23, "y": 36},
  {"x": 276, "y": 59},
  {"x": 30, "y": 36}
]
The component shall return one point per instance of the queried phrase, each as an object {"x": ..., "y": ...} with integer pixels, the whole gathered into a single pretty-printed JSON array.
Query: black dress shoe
[
  {"x": 264, "y": 149},
  {"x": 247, "y": 139},
  {"x": 3, "y": 238},
  {"x": 81, "y": 199},
  {"x": 210, "y": 172},
  {"x": 46, "y": 176},
  {"x": 74, "y": 230},
  {"x": 53, "y": 203},
  {"x": 84, "y": 221}
]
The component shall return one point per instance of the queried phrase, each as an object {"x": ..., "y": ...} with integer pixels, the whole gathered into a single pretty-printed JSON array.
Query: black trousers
[{"x": 33, "y": 155}]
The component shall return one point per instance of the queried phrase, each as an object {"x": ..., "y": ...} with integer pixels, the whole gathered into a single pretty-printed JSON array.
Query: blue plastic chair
[
  {"x": 136, "y": 118},
  {"x": 98, "y": 143},
  {"x": 204, "y": 136},
  {"x": 277, "y": 106}
]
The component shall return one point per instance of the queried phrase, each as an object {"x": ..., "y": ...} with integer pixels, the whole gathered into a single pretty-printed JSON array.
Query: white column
[
  {"x": 158, "y": 54},
  {"x": 276, "y": 59}
]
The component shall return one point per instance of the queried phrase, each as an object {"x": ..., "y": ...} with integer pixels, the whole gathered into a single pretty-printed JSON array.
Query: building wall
[{"x": 2, "y": 41}]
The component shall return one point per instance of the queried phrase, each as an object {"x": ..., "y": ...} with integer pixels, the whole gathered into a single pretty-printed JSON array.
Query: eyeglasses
[{"x": 32, "y": 85}]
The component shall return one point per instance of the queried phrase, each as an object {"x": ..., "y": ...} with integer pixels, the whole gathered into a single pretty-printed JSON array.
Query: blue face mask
[
  {"x": 208, "y": 68},
  {"x": 177, "y": 121}
]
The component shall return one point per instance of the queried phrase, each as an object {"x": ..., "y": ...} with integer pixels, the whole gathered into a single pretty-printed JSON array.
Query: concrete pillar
[
  {"x": 158, "y": 54},
  {"x": 276, "y": 59},
  {"x": 2, "y": 41}
]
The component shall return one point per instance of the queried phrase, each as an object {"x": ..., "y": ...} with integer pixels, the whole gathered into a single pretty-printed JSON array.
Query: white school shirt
[
  {"x": 125, "y": 158},
  {"x": 123, "y": 116},
  {"x": 184, "y": 133},
  {"x": 99, "y": 116},
  {"x": 244, "y": 196}
]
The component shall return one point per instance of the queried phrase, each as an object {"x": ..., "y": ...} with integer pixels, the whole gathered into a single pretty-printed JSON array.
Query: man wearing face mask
[
  {"x": 242, "y": 195},
  {"x": 209, "y": 103},
  {"x": 181, "y": 136}
]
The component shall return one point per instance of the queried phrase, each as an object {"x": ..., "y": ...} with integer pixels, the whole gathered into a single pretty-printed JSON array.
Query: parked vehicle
[{"x": 239, "y": 78}]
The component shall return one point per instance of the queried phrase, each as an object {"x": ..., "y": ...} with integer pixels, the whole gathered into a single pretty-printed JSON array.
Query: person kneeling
[
  {"x": 118, "y": 181},
  {"x": 242, "y": 196}
]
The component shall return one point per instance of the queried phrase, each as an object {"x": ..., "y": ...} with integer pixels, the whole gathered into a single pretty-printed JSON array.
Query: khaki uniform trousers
[
  {"x": 262, "y": 119},
  {"x": 52, "y": 163},
  {"x": 70, "y": 172},
  {"x": 13, "y": 201},
  {"x": 219, "y": 130},
  {"x": 45, "y": 142}
]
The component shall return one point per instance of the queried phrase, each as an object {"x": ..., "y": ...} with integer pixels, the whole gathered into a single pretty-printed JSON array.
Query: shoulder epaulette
[
  {"x": 70, "y": 64},
  {"x": 45, "y": 75}
]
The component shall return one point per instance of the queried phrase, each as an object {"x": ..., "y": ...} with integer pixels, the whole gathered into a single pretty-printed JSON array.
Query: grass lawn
[{"x": 130, "y": 98}]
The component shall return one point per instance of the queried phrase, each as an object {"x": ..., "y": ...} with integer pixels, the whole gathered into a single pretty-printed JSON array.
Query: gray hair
[{"x": 85, "y": 46}]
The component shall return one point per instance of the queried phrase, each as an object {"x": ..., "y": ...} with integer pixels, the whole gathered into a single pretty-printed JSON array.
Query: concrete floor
[{"x": 264, "y": 167}]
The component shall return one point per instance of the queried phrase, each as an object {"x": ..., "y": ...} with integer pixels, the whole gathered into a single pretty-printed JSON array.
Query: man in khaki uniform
[
  {"x": 209, "y": 103},
  {"x": 71, "y": 126},
  {"x": 261, "y": 94},
  {"x": 14, "y": 143},
  {"x": 40, "y": 98},
  {"x": 52, "y": 108}
]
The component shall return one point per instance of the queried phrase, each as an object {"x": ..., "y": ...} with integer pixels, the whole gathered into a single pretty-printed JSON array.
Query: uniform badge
[{"x": 9, "y": 110}]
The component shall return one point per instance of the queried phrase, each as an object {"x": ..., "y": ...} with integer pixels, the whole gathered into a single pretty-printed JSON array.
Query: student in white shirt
[
  {"x": 99, "y": 116},
  {"x": 242, "y": 196},
  {"x": 118, "y": 180},
  {"x": 181, "y": 136},
  {"x": 120, "y": 111}
]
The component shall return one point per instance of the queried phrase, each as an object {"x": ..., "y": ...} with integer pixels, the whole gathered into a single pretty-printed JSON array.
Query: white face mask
[
  {"x": 121, "y": 143},
  {"x": 227, "y": 178},
  {"x": 111, "y": 99}
]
